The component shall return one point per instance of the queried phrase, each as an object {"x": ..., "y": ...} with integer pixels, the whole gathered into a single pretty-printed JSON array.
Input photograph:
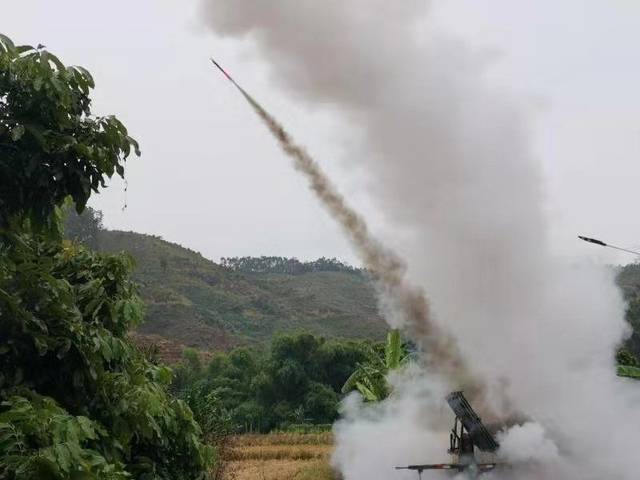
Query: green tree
[
  {"x": 51, "y": 147},
  {"x": 77, "y": 400},
  {"x": 628, "y": 354},
  {"x": 320, "y": 403},
  {"x": 297, "y": 381}
]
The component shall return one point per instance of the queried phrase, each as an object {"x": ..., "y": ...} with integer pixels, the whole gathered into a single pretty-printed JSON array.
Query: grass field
[{"x": 282, "y": 456}]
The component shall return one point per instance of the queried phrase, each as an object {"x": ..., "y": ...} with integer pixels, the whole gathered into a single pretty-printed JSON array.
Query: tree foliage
[
  {"x": 628, "y": 371},
  {"x": 76, "y": 399},
  {"x": 628, "y": 355},
  {"x": 41, "y": 440},
  {"x": 297, "y": 381},
  {"x": 51, "y": 146},
  {"x": 65, "y": 315}
]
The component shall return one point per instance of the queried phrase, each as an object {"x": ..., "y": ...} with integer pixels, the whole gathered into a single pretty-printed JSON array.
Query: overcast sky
[{"x": 212, "y": 179}]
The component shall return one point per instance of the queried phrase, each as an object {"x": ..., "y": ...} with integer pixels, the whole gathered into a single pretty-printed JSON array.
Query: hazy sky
[{"x": 212, "y": 179}]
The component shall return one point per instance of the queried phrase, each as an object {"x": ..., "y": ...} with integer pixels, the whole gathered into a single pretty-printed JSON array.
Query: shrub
[{"x": 65, "y": 315}]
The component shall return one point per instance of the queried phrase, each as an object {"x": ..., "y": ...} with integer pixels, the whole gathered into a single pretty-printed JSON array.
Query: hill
[
  {"x": 195, "y": 302},
  {"x": 192, "y": 301}
]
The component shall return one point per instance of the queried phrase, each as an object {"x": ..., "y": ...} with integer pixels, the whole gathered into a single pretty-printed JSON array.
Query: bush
[
  {"x": 66, "y": 361},
  {"x": 41, "y": 440}
]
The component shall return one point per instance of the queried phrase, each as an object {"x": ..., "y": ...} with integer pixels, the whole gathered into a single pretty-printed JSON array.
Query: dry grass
[
  {"x": 316, "y": 471},
  {"x": 279, "y": 470},
  {"x": 325, "y": 438},
  {"x": 279, "y": 457},
  {"x": 279, "y": 452}
]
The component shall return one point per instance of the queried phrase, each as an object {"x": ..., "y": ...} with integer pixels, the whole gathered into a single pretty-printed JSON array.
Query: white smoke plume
[
  {"x": 527, "y": 443},
  {"x": 450, "y": 162}
]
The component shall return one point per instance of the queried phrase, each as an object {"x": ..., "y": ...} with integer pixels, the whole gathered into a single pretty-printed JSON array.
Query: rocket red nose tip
[{"x": 221, "y": 69}]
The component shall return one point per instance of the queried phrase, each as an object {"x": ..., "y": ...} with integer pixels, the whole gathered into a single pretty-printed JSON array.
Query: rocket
[
  {"x": 225, "y": 73},
  {"x": 602, "y": 244},
  {"x": 592, "y": 240}
]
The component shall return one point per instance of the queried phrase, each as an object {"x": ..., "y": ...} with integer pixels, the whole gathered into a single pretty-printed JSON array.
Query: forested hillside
[
  {"x": 198, "y": 303},
  {"x": 192, "y": 301}
]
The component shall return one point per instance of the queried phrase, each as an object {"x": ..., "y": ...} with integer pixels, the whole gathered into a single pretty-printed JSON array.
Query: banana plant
[
  {"x": 370, "y": 378},
  {"x": 628, "y": 371}
]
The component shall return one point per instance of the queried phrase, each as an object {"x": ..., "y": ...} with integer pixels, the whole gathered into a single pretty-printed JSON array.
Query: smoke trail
[{"x": 407, "y": 306}]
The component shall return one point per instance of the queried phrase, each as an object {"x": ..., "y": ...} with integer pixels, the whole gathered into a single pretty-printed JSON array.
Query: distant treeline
[{"x": 291, "y": 266}]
